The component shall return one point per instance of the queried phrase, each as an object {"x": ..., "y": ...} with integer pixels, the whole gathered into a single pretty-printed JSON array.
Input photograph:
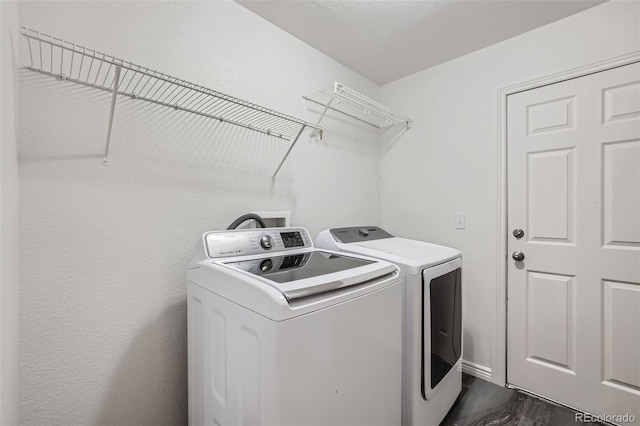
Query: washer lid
[
  {"x": 410, "y": 255},
  {"x": 294, "y": 267},
  {"x": 312, "y": 272}
]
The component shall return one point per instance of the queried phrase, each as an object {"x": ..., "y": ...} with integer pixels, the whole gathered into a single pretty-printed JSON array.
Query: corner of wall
[{"x": 9, "y": 237}]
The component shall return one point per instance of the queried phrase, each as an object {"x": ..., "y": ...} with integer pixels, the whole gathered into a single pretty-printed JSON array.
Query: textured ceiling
[{"x": 385, "y": 40}]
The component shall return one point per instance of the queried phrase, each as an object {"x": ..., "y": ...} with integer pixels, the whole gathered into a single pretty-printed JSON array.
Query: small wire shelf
[
  {"x": 72, "y": 62},
  {"x": 342, "y": 99}
]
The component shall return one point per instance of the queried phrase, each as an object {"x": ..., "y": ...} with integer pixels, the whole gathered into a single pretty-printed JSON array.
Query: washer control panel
[
  {"x": 356, "y": 234},
  {"x": 244, "y": 242}
]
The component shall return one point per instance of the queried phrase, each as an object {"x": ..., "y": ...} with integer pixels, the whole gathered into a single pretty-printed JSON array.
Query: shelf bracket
[
  {"x": 114, "y": 95},
  {"x": 324, "y": 112},
  {"x": 293, "y": 142}
]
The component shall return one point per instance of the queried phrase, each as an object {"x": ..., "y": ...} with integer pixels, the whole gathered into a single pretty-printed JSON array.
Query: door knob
[
  {"x": 518, "y": 233},
  {"x": 518, "y": 255}
]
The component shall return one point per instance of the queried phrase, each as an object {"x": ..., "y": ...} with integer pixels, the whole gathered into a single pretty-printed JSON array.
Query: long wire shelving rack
[
  {"x": 347, "y": 101},
  {"x": 72, "y": 62}
]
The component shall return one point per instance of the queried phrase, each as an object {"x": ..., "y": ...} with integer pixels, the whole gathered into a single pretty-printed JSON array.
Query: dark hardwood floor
[{"x": 482, "y": 403}]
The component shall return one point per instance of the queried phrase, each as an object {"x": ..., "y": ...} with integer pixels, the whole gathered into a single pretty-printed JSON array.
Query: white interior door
[{"x": 574, "y": 190}]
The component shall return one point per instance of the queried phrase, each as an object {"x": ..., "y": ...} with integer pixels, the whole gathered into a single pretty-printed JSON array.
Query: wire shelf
[
  {"x": 347, "y": 101},
  {"x": 72, "y": 62}
]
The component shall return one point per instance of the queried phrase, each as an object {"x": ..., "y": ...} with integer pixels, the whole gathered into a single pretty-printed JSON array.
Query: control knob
[{"x": 266, "y": 241}]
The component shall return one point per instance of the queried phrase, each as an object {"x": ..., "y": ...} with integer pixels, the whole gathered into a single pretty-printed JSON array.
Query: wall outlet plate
[{"x": 275, "y": 219}]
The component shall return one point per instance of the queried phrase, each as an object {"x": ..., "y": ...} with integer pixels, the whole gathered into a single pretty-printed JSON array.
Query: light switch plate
[{"x": 459, "y": 220}]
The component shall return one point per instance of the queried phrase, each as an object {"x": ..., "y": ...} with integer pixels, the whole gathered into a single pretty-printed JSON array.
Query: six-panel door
[{"x": 574, "y": 189}]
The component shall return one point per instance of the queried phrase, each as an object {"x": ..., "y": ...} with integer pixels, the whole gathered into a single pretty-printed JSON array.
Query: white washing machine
[
  {"x": 432, "y": 365},
  {"x": 280, "y": 333}
]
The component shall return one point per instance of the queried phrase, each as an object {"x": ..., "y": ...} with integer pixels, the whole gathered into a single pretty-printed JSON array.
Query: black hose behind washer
[{"x": 244, "y": 218}]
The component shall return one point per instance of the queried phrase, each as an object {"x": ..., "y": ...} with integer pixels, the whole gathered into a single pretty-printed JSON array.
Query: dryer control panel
[
  {"x": 356, "y": 234},
  {"x": 244, "y": 242}
]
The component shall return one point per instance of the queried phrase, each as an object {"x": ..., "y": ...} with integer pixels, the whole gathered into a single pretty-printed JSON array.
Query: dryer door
[{"x": 442, "y": 322}]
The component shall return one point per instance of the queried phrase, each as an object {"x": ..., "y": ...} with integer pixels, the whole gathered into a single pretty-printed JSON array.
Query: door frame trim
[{"x": 499, "y": 347}]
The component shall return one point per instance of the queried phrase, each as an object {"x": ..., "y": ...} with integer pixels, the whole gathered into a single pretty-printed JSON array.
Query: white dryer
[
  {"x": 432, "y": 349},
  {"x": 280, "y": 333}
]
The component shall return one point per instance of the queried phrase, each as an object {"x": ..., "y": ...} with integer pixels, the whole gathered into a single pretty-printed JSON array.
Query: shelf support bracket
[
  {"x": 324, "y": 112},
  {"x": 294, "y": 140},
  {"x": 114, "y": 95}
]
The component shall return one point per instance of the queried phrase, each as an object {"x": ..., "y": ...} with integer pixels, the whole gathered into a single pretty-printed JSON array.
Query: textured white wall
[
  {"x": 9, "y": 240},
  {"x": 104, "y": 249},
  {"x": 447, "y": 162}
]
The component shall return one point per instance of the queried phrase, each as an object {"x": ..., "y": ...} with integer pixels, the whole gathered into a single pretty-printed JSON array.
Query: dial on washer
[{"x": 266, "y": 241}]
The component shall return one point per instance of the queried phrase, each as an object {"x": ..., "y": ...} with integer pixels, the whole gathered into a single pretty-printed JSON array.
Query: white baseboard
[{"x": 476, "y": 370}]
